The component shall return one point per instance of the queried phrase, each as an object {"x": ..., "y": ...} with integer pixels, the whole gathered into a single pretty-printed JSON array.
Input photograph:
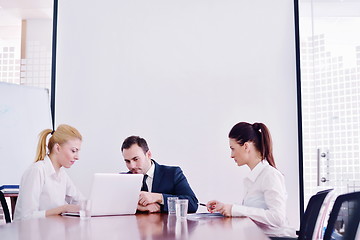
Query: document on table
[{"x": 201, "y": 216}]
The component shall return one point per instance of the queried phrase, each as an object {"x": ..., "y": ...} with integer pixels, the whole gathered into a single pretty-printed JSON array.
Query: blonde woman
[{"x": 45, "y": 188}]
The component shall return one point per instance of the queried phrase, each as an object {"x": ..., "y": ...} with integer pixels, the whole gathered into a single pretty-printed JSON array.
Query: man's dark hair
[{"x": 129, "y": 141}]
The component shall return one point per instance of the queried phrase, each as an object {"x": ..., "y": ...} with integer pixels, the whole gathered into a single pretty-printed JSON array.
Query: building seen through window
[
  {"x": 26, "y": 42},
  {"x": 330, "y": 78}
]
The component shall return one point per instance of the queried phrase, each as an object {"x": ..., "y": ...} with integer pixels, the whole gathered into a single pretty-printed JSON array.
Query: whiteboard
[
  {"x": 180, "y": 74},
  {"x": 24, "y": 113}
]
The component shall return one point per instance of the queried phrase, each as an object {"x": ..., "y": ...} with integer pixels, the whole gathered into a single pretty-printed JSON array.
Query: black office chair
[
  {"x": 344, "y": 217},
  {"x": 308, "y": 221},
  {"x": 5, "y": 207}
]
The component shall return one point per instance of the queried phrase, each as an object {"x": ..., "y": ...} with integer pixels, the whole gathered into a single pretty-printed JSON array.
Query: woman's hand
[
  {"x": 62, "y": 209},
  {"x": 216, "y": 206},
  {"x": 71, "y": 208}
]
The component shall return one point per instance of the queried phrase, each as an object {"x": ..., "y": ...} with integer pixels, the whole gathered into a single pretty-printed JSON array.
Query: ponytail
[
  {"x": 266, "y": 143},
  {"x": 257, "y": 133},
  {"x": 62, "y": 134},
  {"x": 41, "y": 148}
]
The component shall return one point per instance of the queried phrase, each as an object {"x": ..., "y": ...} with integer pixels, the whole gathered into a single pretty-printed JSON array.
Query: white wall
[{"x": 180, "y": 74}]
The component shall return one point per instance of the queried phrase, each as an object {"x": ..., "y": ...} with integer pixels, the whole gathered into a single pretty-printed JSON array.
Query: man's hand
[
  {"x": 151, "y": 208},
  {"x": 147, "y": 198}
]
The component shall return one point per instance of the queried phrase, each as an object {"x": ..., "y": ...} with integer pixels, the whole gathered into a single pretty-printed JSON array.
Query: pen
[{"x": 202, "y": 204}]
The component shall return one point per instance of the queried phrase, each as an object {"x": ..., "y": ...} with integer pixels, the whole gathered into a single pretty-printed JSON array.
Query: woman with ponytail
[
  {"x": 45, "y": 188},
  {"x": 265, "y": 194}
]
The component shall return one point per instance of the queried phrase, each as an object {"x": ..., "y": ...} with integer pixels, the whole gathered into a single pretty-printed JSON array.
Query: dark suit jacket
[{"x": 171, "y": 182}]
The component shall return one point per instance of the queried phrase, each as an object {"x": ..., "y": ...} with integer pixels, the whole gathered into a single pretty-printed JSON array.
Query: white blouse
[
  {"x": 265, "y": 200},
  {"x": 41, "y": 189}
]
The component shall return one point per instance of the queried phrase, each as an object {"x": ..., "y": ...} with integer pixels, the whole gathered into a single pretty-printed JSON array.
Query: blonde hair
[{"x": 61, "y": 135}]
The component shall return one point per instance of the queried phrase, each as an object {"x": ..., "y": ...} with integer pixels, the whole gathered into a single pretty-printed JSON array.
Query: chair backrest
[
  {"x": 344, "y": 217},
  {"x": 311, "y": 214},
  {"x": 5, "y": 207},
  {"x": 323, "y": 215}
]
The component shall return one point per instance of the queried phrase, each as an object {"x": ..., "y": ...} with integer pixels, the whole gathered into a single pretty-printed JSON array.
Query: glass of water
[
  {"x": 85, "y": 209},
  {"x": 171, "y": 204},
  {"x": 181, "y": 208}
]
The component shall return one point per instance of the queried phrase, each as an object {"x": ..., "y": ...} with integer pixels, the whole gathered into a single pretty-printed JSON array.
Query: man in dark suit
[{"x": 160, "y": 181}]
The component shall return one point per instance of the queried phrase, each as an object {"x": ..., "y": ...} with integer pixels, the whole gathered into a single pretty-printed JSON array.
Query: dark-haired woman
[{"x": 265, "y": 194}]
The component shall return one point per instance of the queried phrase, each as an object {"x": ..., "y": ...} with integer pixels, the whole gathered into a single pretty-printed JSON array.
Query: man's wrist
[{"x": 161, "y": 199}]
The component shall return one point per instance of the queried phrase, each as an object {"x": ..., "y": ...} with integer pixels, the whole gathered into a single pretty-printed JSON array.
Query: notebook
[{"x": 114, "y": 194}]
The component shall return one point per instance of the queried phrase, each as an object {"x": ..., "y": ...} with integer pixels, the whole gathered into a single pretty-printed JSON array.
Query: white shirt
[
  {"x": 265, "y": 200},
  {"x": 41, "y": 189}
]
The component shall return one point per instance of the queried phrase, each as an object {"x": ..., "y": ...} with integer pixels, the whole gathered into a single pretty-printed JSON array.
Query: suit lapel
[{"x": 158, "y": 175}]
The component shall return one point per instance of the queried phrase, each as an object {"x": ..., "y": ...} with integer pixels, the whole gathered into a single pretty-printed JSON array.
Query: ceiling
[{"x": 13, "y": 11}]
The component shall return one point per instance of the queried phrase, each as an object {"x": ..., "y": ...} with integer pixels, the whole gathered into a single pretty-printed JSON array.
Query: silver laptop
[{"x": 114, "y": 194}]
